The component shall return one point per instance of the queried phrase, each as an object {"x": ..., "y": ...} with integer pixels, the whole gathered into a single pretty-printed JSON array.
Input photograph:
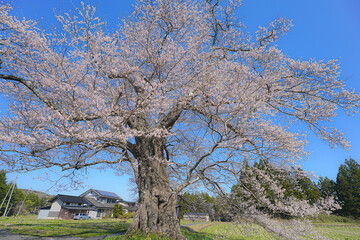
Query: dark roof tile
[
  {"x": 100, "y": 204},
  {"x": 70, "y": 199},
  {"x": 79, "y": 208}
]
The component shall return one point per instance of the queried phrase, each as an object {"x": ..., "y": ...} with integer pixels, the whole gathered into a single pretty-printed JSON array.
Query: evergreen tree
[
  {"x": 3, "y": 188},
  {"x": 223, "y": 210},
  {"x": 3, "y": 185},
  {"x": 196, "y": 202},
  {"x": 327, "y": 187},
  {"x": 307, "y": 189},
  {"x": 121, "y": 212},
  {"x": 348, "y": 188},
  {"x": 118, "y": 210}
]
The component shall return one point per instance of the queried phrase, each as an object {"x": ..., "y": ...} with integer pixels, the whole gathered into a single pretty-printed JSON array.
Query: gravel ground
[{"x": 6, "y": 235}]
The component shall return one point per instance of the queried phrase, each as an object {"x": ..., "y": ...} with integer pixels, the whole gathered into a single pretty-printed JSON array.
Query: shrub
[
  {"x": 129, "y": 215},
  {"x": 118, "y": 211}
]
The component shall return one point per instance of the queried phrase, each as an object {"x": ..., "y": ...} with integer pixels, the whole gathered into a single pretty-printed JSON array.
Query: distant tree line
[
  {"x": 26, "y": 202},
  {"x": 345, "y": 190}
]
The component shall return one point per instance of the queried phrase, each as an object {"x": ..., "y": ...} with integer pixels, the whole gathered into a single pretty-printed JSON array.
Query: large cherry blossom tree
[{"x": 179, "y": 94}]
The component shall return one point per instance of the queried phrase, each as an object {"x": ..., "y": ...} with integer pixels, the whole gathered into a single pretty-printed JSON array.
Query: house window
[{"x": 100, "y": 213}]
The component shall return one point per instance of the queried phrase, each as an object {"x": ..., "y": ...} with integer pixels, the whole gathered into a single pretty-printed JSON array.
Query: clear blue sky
[{"x": 323, "y": 29}]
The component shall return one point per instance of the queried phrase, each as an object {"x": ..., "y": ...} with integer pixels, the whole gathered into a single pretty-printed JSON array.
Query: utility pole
[
  {"x": 9, "y": 210},
  {"x": 22, "y": 203},
  {"x": 12, "y": 187}
]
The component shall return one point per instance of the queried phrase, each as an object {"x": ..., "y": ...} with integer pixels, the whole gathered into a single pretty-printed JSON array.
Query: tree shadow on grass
[
  {"x": 66, "y": 229},
  {"x": 191, "y": 234}
]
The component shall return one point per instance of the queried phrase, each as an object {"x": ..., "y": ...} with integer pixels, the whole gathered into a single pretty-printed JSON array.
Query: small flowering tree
[
  {"x": 179, "y": 94},
  {"x": 266, "y": 191}
]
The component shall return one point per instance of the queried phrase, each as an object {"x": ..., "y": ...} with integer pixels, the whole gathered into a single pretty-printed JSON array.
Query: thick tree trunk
[{"x": 156, "y": 207}]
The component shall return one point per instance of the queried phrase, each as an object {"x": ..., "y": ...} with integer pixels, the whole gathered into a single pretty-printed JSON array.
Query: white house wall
[
  {"x": 92, "y": 214},
  {"x": 43, "y": 213},
  {"x": 89, "y": 195},
  {"x": 55, "y": 209},
  {"x": 56, "y": 206}
]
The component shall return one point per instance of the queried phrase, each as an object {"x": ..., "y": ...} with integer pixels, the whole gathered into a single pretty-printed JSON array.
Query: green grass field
[
  {"x": 51, "y": 228},
  {"x": 350, "y": 231},
  {"x": 332, "y": 227}
]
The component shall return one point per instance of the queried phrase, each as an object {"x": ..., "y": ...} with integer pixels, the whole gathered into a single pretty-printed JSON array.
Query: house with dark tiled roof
[
  {"x": 96, "y": 203},
  {"x": 66, "y": 206},
  {"x": 105, "y": 201}
]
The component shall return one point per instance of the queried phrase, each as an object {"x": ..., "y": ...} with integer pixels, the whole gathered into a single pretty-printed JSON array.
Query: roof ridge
[{"x": 68, "y": 195}]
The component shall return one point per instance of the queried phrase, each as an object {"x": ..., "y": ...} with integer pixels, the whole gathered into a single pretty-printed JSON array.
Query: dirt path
[{"x": 6, "y": 235}]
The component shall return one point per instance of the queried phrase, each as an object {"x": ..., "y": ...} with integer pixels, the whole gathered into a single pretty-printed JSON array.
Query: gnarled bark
[{"x": 156, "y": 206}]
